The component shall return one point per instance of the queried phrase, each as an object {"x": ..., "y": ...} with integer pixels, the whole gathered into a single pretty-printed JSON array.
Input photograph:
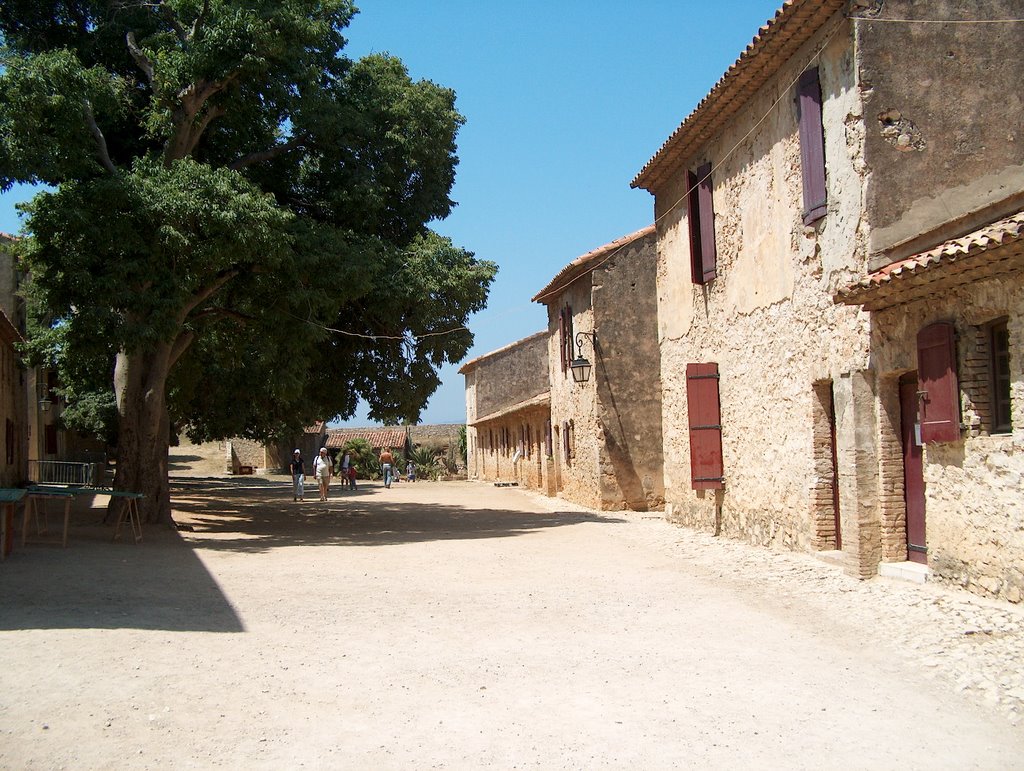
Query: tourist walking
[
  {"x": 298, "y": 469},
  {"x": 410, "y": 471},
  {"x": 323, "y": 470},
  {"x": 346, "y": 461},
  {"x": 387, "y": 460},
  {"x": 352, "y": 476}
]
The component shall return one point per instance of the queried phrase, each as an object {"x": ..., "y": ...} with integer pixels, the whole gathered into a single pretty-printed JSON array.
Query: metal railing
[{"x": 64, "y": 472}]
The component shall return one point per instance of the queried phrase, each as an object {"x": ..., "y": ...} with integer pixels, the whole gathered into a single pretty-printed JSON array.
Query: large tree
[{"x": 234, "y": 238}]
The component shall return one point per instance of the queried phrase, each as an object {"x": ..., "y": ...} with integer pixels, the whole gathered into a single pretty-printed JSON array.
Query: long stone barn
[{"x": 841, "y": 288}]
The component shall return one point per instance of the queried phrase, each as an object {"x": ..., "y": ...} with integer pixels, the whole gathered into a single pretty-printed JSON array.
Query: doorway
[{"x": 913, "y": 470}]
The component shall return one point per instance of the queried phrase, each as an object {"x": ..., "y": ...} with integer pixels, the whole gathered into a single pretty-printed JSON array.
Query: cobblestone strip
[{"x": 972, "y": 644}]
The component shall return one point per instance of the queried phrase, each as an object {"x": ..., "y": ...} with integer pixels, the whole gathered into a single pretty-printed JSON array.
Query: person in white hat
[{"x": 298, "y": 469}]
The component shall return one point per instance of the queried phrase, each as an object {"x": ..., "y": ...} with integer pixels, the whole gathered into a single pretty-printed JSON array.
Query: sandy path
[{"x": 458, "y": 625}]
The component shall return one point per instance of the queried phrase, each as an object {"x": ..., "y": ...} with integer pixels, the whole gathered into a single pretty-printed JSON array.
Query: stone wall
[
  {"x": 628, "y": 379},
  {"x": 973, "y": 512},
  {"x": 944, "y": 117},
  {"x": 512, "y": 448},
  {"x": 511, "y": 375},
  {"x": 768, "y": 319},
  {"x": 576, "y": 429}
]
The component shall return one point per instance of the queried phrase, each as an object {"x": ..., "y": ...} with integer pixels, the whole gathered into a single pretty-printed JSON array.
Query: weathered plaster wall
[
  {"x": 578, "y": 477},
  {"x": 974, "y": 510},
  {"x": 512, "y": 449},
  {"x": 512, "y": 375},
  {"x": 627, "y": 377},
  {"x": 944, "y": 111},
  {"x": 768, "y": 320}
]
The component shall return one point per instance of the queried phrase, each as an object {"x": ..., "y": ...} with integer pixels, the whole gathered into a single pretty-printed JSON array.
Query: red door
[{"x": 913, "y": 470}]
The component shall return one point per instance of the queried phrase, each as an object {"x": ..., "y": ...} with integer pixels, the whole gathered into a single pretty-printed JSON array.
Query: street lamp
[
  {"x": 581, "y": 366},
  {"x": 44, "y": 398}
]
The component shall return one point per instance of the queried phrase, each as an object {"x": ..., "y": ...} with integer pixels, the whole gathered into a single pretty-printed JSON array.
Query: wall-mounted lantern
[{"x": 581, "y": 366}]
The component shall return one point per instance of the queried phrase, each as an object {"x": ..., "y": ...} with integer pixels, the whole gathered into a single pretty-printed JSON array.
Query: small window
[
  {"x": 999, "y": 347},
  {"x": 701, "y": 220},
  {"x": 812, "y": 146}
]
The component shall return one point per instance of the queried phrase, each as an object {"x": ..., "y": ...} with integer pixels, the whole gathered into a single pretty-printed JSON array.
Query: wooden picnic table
[{"x": 9, "y": 497}]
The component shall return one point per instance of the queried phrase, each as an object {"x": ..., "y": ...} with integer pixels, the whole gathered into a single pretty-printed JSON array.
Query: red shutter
[
  {"x": 568, "y": 336},
  {"x": 937, "y": 386},
  {"x": 708, "y": 252},
  {"x": 693, "y": 220},
  {"x": 561, "y": 338},
  {"x": 706, "y": 471},
  {"x": 812, "y": 146}
]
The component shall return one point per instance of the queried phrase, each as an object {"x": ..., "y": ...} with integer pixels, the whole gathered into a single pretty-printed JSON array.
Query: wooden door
[{"x": 913, "y": 470}]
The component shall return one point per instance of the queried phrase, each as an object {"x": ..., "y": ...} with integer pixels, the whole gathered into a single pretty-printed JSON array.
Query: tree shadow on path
[{"x": 257, "y": 514}]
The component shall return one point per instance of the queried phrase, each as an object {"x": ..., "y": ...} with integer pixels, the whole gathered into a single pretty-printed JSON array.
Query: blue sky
[{"x": 565, "y": 101}]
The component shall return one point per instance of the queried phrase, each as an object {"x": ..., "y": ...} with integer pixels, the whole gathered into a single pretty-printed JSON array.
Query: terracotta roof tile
[
  {"x": 586, "y": 263},
  {"x": 775, "y": 43},
  {"x": 393, "y": 438},
  {"x": 994, "y": 249}
]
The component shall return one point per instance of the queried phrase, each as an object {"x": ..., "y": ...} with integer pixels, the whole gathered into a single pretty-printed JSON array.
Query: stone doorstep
[{"x": 905, "y": 571}]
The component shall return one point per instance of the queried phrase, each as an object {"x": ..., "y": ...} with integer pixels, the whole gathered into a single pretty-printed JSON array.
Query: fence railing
[{"x": 64, "y": 472}]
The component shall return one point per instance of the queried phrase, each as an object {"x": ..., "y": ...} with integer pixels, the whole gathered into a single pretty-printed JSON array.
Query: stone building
[
  {"x": 606, "y": 432},
  {"x": 508, "y": 415},
  {"x": 859, "y": 151},
  {"x": 18, "y": 409}
]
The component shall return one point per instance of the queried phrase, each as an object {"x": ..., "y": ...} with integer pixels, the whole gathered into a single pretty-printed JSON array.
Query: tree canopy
[{"x": 234, "y": 238}]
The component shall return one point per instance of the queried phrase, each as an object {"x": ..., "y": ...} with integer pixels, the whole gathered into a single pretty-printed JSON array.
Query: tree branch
[
  {"x": 266, "y": 155},
  {"x": 223, "y": 312},
  {"x": 97, "y": 134},
  {"x": 140, "y": 58},
  {"x": 200, "y": 19},
  {"x": 180, "y": 345},
  {"x": 206, "y": 292}
]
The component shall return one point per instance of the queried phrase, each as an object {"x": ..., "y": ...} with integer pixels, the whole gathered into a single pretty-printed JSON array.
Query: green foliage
[
  {"x": 231, "y": 193},
  {"x": 364, "y": 458},
  {"x": 426, "y": 461}
]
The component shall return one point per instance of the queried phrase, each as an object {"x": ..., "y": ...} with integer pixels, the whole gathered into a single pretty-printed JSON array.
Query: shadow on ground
[
  {"x": 258, "y": 514},
  {"x": 161, "y": 584}
]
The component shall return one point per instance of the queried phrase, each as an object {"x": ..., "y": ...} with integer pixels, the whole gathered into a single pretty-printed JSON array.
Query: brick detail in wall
[
  {"x": 822, "y": 491},
  {"x": 891, "y": 502},
  {"x": 975, "y": 380}
]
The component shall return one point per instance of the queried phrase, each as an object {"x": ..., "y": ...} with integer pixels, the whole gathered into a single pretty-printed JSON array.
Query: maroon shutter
[
  {"x": 50, "y": 439},
  {"x": 937, "y": 386},
  {"x": 812, "y": 146},
  {"x": 693, "y": 220},
  {"x": 548, "y": 450},
  {"x": 561, "y": 338},
  {"x": 568, "y": 335},
  {"x": 705, "y": 427},
  {"x": 708, "y": 253}
]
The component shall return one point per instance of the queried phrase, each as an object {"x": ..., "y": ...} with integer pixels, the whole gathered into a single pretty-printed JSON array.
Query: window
[
  {"x": 999, "y": 351},
  {"x": 565, "y": 338},
  {"x": 705, "y": 423},
  {"x": 937, "y": 385},
  {"x": 812, "y": 146},
  {"x": 702, "y": 225}
]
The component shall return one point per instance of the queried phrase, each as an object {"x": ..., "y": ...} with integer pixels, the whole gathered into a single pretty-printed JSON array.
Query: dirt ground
[{"x": 459, "y": 625}]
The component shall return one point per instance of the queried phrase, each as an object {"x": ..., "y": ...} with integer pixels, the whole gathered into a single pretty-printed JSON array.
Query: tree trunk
[{"x": 140, "y": 385}]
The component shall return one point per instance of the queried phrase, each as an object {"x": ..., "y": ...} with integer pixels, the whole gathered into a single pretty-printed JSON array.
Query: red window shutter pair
[
  {"x": 938, "y": 389},
  {"x": 703, "y": 253},
  {"x": 705, "y": 420},
  {"x": 812, "y": 146},
  {"x": 565, "y": 337}
]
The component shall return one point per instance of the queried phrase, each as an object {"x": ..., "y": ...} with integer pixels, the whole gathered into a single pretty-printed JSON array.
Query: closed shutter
[
  {"x": 706, "y": 470},
  {"x": 937, "y": 386},
  {"x": 812, "y": 146}
]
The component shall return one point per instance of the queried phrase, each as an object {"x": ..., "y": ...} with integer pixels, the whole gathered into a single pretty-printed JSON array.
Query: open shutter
[
  {"x": 693, "y": 220},
  {"x": 708, "y": 253},
  {"x": 812, "y": 146},
  {"x": 565, "y": 442},
  {"x": 548, "y": 449},
  {"x": 706, "y": 471},
  {"x": 937, "y": 386},
  {"x": 561, "y": 339}
]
